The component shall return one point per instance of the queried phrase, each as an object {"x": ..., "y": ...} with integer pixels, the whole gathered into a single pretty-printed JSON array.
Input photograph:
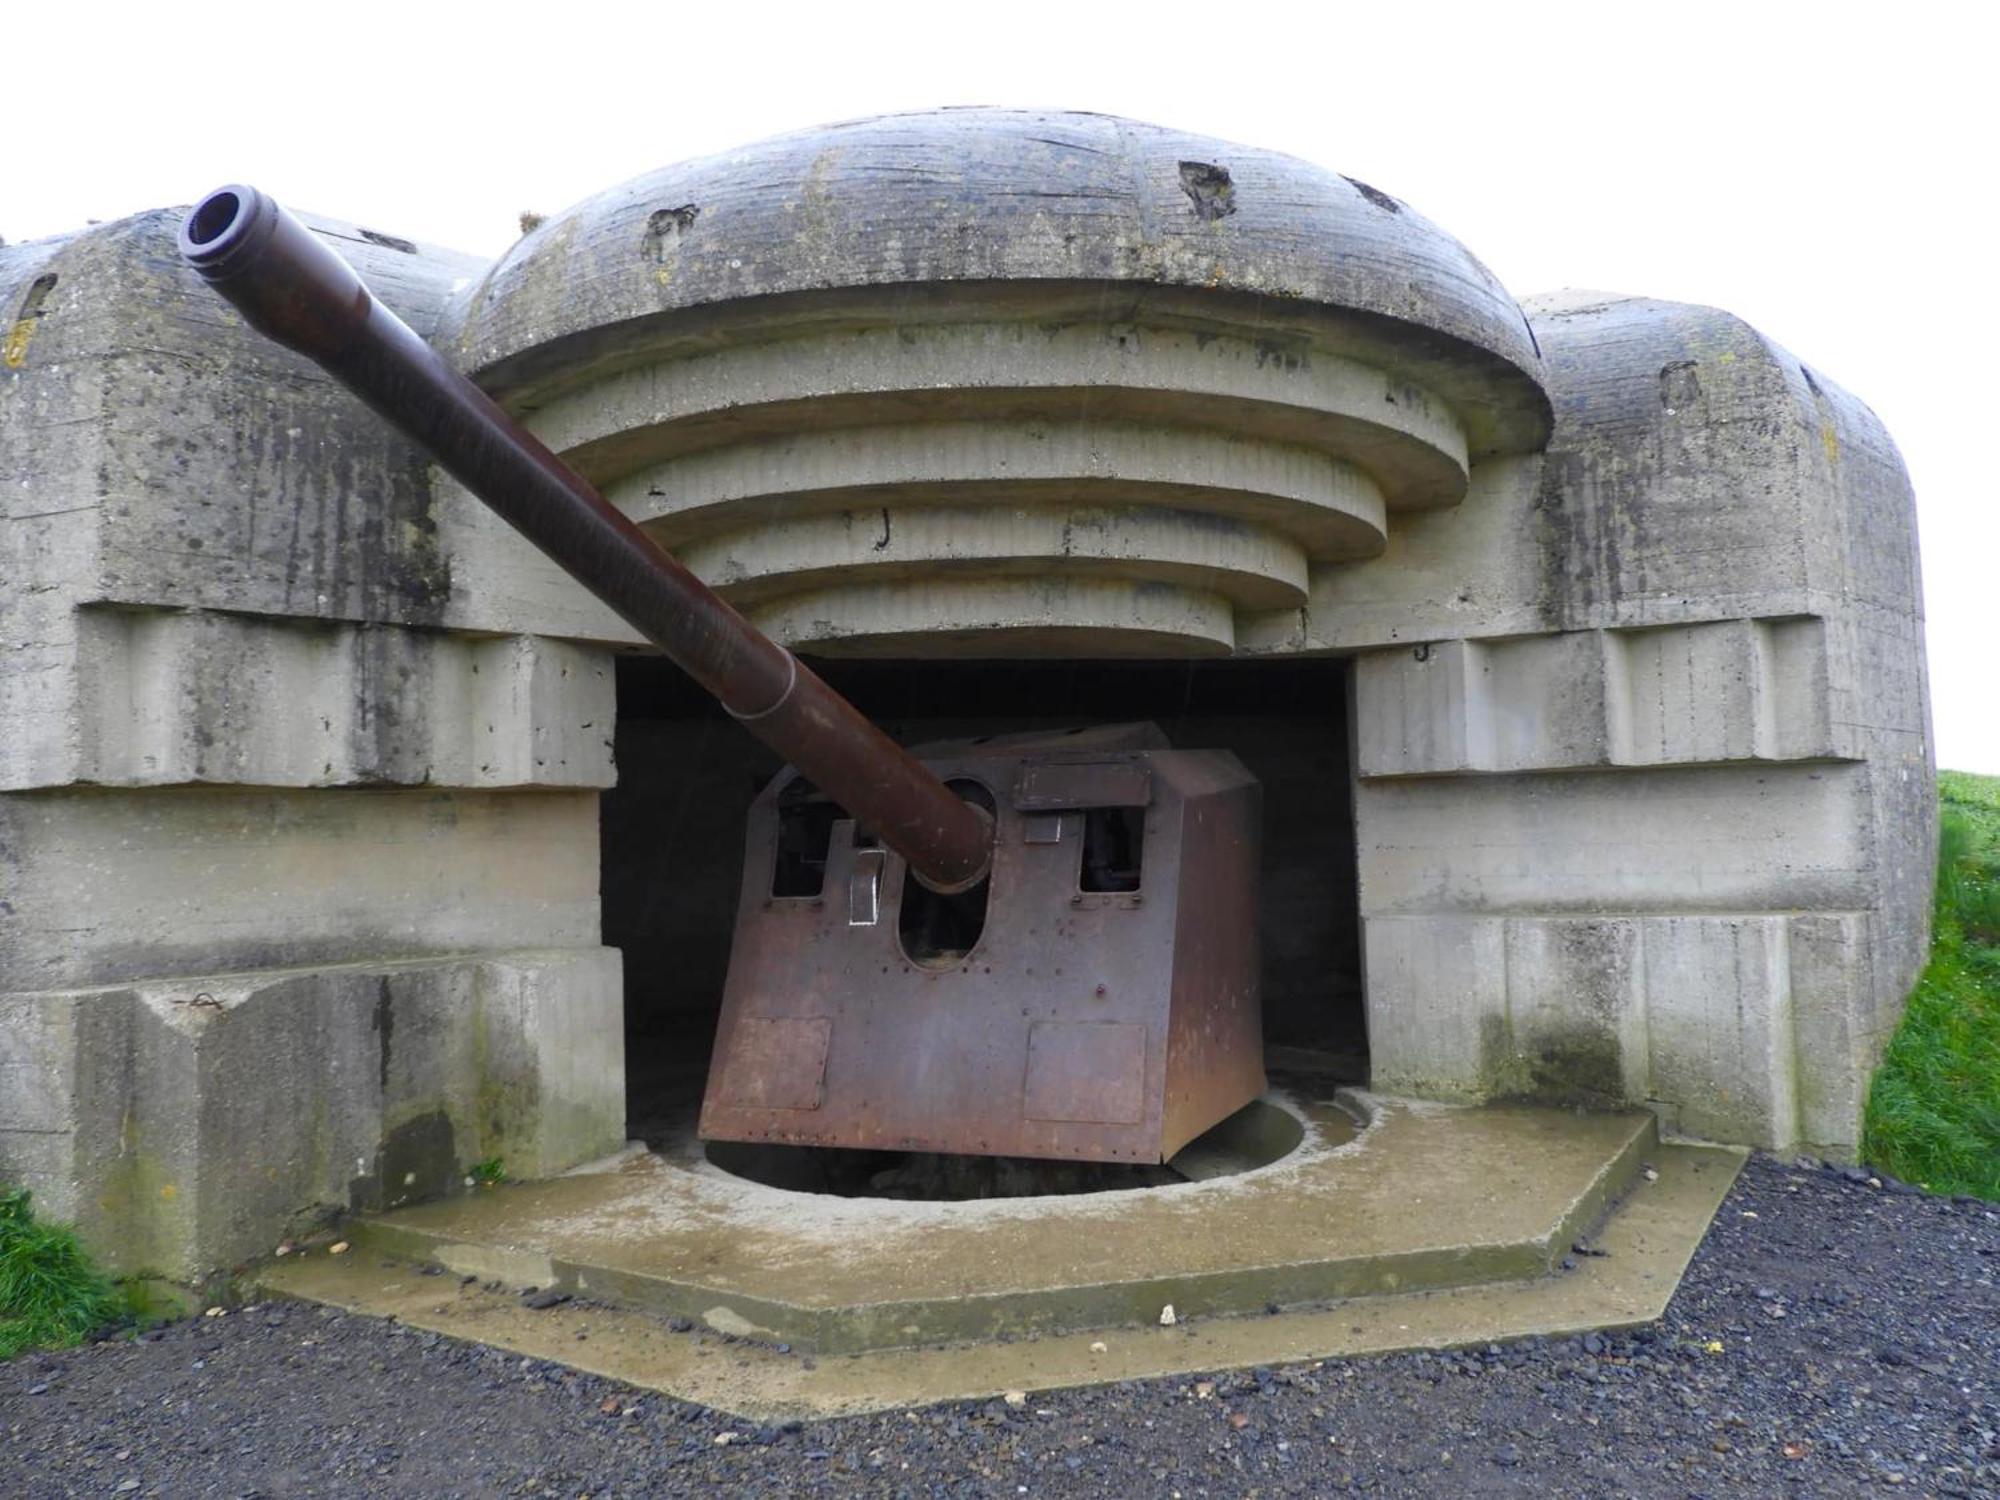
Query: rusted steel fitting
[{"x": 292, "y": 287}]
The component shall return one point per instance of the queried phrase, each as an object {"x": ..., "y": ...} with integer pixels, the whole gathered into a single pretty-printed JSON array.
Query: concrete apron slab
[
  {"x": 1420, "y": 1196},
  {"x": 1426, "y": 1225},
  {"x": 1647, "y": 1241}
]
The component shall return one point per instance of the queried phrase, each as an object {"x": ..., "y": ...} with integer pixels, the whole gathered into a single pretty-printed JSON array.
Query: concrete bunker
[{"x": 1622, "y": 600}]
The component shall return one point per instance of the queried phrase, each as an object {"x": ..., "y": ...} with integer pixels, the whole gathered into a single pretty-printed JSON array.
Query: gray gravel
[{"x": 1860, "y": 1351}]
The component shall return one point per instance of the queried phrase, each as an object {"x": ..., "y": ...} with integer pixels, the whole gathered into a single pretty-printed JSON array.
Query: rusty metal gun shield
[{"x": 1094, "y": 999}]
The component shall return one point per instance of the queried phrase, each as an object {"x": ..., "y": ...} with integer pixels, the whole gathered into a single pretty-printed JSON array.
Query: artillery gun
[{"x": 1039, "y": 946}]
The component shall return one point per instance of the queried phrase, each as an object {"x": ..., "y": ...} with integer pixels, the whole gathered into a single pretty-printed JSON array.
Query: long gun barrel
[{"x": 294, "y": 288}]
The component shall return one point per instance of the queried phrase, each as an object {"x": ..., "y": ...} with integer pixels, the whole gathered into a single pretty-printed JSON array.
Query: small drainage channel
[{"x": 1257, "y": 1135}]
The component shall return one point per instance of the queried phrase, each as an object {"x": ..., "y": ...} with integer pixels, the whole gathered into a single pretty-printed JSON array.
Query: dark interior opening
[
  {"x": 1255, "y": 1136},
  {"x": 215, "y": 214},
  {"x": 805, "y": 833},
  {"x": 938, "y": 929},
  {"x": 672, "y": 829},
  {"x": 1114, "y": 848}
]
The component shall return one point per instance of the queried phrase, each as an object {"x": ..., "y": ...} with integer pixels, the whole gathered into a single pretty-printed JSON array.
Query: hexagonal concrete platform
[{"x": 1389, "y": 1209}]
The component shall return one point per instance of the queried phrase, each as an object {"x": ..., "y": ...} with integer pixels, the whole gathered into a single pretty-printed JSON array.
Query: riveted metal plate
[
  {"x": 1048, "y": 786},
  {"x": 1086, "y": 1073},
  {"x": 778, "y": 1064}
]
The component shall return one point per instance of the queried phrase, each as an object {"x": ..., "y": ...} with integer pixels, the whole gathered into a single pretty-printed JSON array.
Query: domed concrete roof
[
  {"x": 1005, "y": 381},
  {"x": 961, "y": 195}
]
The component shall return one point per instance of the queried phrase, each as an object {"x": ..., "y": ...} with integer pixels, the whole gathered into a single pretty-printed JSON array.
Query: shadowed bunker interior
[{"x": 672, "y": 846}]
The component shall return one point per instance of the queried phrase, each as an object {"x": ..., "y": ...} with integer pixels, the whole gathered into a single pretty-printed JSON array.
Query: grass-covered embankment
[{"x": 1934, "y": 1107}]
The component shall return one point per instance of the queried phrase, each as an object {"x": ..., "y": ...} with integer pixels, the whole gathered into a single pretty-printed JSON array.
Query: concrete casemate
[{"x": 301, "y": 750}]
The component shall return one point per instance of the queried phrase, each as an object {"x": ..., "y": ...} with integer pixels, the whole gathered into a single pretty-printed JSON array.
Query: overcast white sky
[{"x": 1825, "y": 171}]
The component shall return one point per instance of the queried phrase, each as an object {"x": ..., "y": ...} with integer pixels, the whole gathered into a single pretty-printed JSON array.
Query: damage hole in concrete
[
  {"x": 14, "y": 349},
  {"x": 1209, "y": 190},
  {"x": 388, "y": 241},
  {"x": 1375, "y": 196},
  {"x": 665, "y": 226},
  {"x": 41, "y": 286},
  {"x": 1255, "y": 1136},
  {"x": 1680, "y": 386}
]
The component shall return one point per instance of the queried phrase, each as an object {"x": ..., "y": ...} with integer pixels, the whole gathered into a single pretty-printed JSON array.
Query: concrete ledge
[
  {"x": 1648, "y": 1241},
  {"x": 1253, "y": 566},
  {"x": 116, "y": 886},
  {"x": 1425, "y": 1196},
  {"x": 1736, "y": 1026},
  {"x": 1053, "y": 615},
  {"x": 172, "y": 696},
  {"x": 190, "y": 1124},
  {"x": 1713, "y": 692},
  {"x": 1665, "y": 840},
  {"x": 1007, "y": 372}
]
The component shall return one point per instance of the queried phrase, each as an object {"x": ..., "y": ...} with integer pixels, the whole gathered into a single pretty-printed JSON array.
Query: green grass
[
  {"x": 51, "y": 1296},
  {"x": 1934, "y": 1107}
]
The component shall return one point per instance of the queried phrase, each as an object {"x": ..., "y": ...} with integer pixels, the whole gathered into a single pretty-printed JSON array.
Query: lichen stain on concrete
[
  {"x": 1574, "y": 1063},
  {"x": 418, "y": 1160},
  {"x": 135, "y": 1228},
  {"x": 507, "y": 1100},
  {"x": 1578, "y": 1065},
  {"x": 14, "y": 354}
]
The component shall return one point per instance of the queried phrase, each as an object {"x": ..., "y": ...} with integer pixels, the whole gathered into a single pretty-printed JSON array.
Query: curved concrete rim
[{"x": 966, "y": 199}]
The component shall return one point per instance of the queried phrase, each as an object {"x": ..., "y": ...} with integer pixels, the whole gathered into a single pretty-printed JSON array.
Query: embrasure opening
[{"x": 938, "y": 931}]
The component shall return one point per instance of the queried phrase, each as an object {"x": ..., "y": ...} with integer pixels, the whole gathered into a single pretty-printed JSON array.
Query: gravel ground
[{"x": 1831, "y": 1338}]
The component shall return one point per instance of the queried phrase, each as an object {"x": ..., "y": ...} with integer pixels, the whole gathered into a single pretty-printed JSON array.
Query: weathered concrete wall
[
  {"x": 1645, "y": 796},
  {"x": 298, "y": 841},
  {"x": 188, "y": 1122}
]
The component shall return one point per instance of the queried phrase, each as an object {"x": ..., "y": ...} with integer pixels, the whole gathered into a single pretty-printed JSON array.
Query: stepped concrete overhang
[{"x": 997, "y": 382}]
